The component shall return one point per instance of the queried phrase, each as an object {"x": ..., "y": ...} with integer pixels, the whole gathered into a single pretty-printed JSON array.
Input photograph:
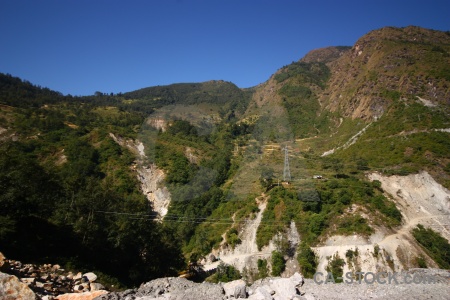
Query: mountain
[
  {"x": 387, "y": 65},
  {"x": 329, "y": 165}
]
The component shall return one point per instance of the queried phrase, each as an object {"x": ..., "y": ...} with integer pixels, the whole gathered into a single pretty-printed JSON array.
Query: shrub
[
  {"x": 335, "y": 266},
  {"x": 437, "y": 247},
  {"x": 225, "y": 273},
  {"x": 233, "y": 238},
  {"x": 307, "y": 260},
  {"x": 263, "y": 272},
  {"x": 278, "y": 263}
]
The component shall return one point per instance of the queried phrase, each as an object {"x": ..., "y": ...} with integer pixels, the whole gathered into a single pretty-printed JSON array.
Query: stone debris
[
  {"x": 294, "y": 287},
  {"x": 47, "y": 281},
  {"x": 181, "y": 288}
]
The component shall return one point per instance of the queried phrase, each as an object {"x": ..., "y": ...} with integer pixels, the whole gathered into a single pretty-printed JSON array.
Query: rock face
[
  {"x": 12, "y": 289},
  {"x": 150, "y": 176}
]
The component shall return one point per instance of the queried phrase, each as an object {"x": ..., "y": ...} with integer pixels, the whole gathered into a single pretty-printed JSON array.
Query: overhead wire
[{"x": 218, "y": 221}]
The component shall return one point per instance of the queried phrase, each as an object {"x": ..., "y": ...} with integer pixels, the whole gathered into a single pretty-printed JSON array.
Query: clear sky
[{"x": 79, "y": 47}]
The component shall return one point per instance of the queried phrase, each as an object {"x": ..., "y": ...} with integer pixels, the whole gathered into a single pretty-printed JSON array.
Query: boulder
[
  {"x": 236, "y": 289},
  {"x": 81, "y": 296},
  {"x": 97, "y": 286},
  {"x": 78, "y": 287},
  {"x": 56, "y": 267},
  {"x": 28, "y": 281},
  {"x": 12, "y": 289},
  {"x": 261, "y": 294},
  {"x": 284, "y": 288},
  {"x": 78, "y": 276},
  {"x": 4, "y": 264},
  {"x": 90, "y": 276},
  {"x": 287, "y": 288},
  {"x": 211, "y": 258}
]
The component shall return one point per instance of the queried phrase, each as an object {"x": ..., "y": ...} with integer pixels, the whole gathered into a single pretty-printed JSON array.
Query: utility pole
[{"x": 286, "y": 171}]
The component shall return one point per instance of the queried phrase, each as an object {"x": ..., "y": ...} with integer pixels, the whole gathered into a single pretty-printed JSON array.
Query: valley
[{"x": 339, "y": 162}]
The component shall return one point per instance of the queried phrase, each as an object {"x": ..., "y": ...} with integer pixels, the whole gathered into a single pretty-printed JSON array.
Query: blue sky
[{"x": 81, "y": 46}]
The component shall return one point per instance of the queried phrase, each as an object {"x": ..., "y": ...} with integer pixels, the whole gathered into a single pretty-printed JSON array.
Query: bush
[
  {"x": 263, "y": 272},
  {"x": 307, "y": 260},
  {"x": 420, "y": 262},
  {"x": 225, "y": 273},
  {"x": 437, "y": 247},
  {"x": 350, "y": 224},
  {"x": 233, "y": 238},
  {"x": 278, "y": 263},
  {"x": 335, "y": 266}
]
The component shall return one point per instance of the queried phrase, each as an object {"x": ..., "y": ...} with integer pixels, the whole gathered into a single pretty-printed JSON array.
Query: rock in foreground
[
  {"x": 12, "y": 289},
  {"x": 287, "y": 288}
]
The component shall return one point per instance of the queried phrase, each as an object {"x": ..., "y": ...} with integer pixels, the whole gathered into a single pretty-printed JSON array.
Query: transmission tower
[{"x": 286, "y": 171}]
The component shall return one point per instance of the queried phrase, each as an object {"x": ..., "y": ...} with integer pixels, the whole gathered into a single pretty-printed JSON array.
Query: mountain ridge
[{"x": 340, "y": 114}]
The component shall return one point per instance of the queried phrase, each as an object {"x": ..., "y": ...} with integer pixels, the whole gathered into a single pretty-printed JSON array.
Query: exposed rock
[
  {"x": 170, "y": 288},
  {"x": 78, "y": 276},
  {"x": 12, "y": 289},
  {"x": 158, "y": 123},
  {"x": 4, "y": 264},
  {"x": 81, "y": 296},
  {"x": 90, "y": 276},
  {"x": 97, "y": 286},
  {"x": 261, "y": 294},
  {"x": 236, "y": 288},
  {"x": 28, "y": 281},
  {"x": 277, "y": 288},
  {"x": 150, "y": 176},
  {"x": 56, "y": 267}
]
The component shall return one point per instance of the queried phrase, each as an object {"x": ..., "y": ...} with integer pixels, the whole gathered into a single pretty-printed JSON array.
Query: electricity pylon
[{"x": 286, "y": 171}]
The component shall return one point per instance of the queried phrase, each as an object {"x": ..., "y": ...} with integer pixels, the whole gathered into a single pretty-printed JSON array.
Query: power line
[{"x": 221, "y": 221}]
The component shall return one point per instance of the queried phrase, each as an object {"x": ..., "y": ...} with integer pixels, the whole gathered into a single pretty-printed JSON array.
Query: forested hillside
[
  {"x": 61, "y": 170},
  {"x": 260, "y": 176}
]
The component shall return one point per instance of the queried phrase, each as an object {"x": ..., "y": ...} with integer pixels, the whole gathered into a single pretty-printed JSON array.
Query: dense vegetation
[
  {"x": 307, "y": 259},
  {"x": 327, "y": 206},
  {"x": 299, "y": 80},
  {"x": 437, "y": 247},
  {"x": 225, "y": 273},
  {"x": 70, "y": 195}
]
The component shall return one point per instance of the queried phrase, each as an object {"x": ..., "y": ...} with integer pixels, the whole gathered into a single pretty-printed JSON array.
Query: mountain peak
[{"x": 325, "y": 55}]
